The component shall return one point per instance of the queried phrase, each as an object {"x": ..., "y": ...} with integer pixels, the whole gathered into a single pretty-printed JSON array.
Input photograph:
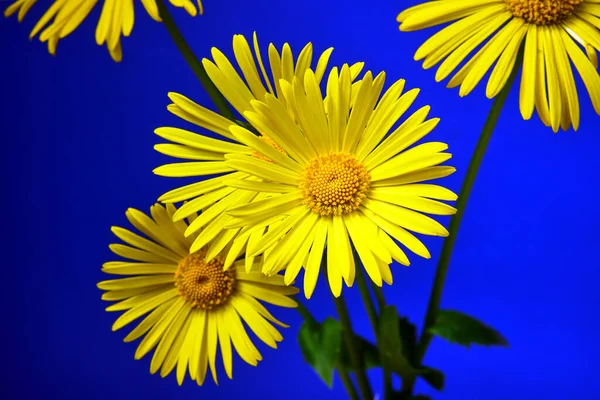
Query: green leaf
[
  {"x": 433, "y": 376},
  {"x": 321, "y": 345},
  {"x": 391, "y": 346},
  {"x": 408, "y": 335},
  {"x": 369, "y": 352},
  {"x": 398, "y": 348},
  {"x": 462, "y": 329}
]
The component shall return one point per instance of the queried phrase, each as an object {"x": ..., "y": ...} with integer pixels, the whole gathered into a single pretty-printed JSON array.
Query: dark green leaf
[
  {"x": 321, "y": 345},
  {"x": 408, "y": 335},
  {"x": 460, "y": 328},
  {"x": 369, "y": 352},
  {"x": 433, "y": 376},
  {"x": 391, "y": 347}
]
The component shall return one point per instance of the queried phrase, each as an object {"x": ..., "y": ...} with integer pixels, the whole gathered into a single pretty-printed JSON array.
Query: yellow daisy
[
  {"x": 190, "y": 306},
  {"x": 348, "y": 178},
  {"x": 116, "y": 19},
  {"x": 551, "y": 30},
  {"x": 205, "y": 156}
]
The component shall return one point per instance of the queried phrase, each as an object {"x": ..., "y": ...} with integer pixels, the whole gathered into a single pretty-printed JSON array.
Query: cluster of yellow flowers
[
  {"x": 116, "y": 19},
  {"x": 318, "y": 174},
  {"x": 315, "y": 179}
]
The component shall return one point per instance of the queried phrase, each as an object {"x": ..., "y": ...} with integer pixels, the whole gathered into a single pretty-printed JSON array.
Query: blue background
[{"x": 77, "y": 151}]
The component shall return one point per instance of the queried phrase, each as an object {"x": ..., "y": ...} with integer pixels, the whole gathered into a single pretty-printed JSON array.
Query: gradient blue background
[{"x": 77, "y": 151}]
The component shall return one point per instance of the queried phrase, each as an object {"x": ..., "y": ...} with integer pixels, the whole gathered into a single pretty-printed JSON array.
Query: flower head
[
  {"x": 116, "y": 19},
  {"x": 205, "y": 156},
  {"x": 349, "y": 179},
  {"x": 551, "y": 30},
  {"x": 190, "y": 305}
]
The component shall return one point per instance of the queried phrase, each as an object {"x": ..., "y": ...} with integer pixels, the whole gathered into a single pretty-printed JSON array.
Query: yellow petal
[
  {"x": 313, "y": 264},
  {"x": 353, "y": 224},
  {"x": 401, "y": 235},
  {"x": 169, "y": 331},
  {"x": 406, "y": 218},
  {"x": 185, "y": 169},
  {"x": 266, "y": 295},
  {"x": 264, "y": 169}
]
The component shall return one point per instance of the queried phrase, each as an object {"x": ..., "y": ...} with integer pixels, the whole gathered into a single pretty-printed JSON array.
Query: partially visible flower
[
  {"x": 191, "y": 306},
  {"x": 551, "y": 30},
  {"x": 116, "y": 19},
  {"x": 205, "y": 156},
  {"x": 350, "y": 179}
]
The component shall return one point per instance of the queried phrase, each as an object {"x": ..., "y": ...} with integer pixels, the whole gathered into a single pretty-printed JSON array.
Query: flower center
[
  {"x": 270, "y": 141},
  {"x": 543, "y": 12},
  {"x": 204, "y": 284},
  {"x": 334, "y": 184}
]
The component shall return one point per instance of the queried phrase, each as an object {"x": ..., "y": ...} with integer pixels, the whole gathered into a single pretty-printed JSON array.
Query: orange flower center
[
  {"x": 543, "y": 12},
  {"x": 204, "y": 284},
  {"x": 334, "y": 184}
]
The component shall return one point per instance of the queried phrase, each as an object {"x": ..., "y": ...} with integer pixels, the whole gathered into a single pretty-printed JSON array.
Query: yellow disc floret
[
  {"x": 334, "y": 184},
  {"x": 204, "y": 284},
  {"x": 543, "y": 12}
]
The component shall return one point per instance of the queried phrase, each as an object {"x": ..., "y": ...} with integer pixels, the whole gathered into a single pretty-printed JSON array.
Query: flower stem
[
  {"x": 461, "y": 204},
  {"x": 372, "y": 313},
  {"x": 193, "y": 62},
  {"x": 378, "y": 295},
  {"x": 366, "y": 297},
  {"x": 353, "y": 349},
  {"x": 387, "y": 374},
  {"x": 352, "y": 393},
  {"x": 305, "y": 314}
]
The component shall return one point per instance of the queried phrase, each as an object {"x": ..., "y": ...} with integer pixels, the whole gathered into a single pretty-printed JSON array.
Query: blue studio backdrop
[{"x": 77, "y": 134}]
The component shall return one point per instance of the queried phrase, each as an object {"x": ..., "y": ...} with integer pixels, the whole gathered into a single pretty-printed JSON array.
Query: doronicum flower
[
  {"x": 191, "y": 306},
  {"x": 492, "y": 31},
  {"x": 116, "y": 19},
  {"x": 348, "y": 178},
  {"x": 205, "y": 156}
]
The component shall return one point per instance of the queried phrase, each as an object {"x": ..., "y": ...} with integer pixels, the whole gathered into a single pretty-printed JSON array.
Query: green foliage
[
  {"x": 323, "y": 348},
  {"x": 368, "y": 351},
  {"x": 393, "y": 350},
  {"x": 462, "y": 329},
  {"x": 398, "y": 343},
  {"x": 321, "y": 345},
  {"x": 408, "y": 335},
  {"x": 433, "y": 376}
]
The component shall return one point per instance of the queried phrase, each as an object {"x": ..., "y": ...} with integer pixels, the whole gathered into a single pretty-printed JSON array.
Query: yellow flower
[
  {"x": 347, "y": 175},
  {"x": 116, "y": 19},
  {"x": 189, "y": 304},
  {"x": 551, "y": 30},
  {"x": 206, "y": 156}
]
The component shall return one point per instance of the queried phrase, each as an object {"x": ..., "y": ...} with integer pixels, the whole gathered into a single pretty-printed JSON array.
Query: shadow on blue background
[{"x": 77, "y": 139}]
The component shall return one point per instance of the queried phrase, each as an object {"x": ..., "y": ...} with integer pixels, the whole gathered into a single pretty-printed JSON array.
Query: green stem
[
  {"x": 370, "y": 306},
  {"x": 353, "y": 349},
  {"x": 378, "y": 295},
  {"x": 306, "y": 315},
  {"x": 347, "y": 382},
  {"x": 366, "y": 296},
  {"x": 387, "y": 374},
  {"x": 461, "y": 204},
  {"x": 193, "y": 62}
]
